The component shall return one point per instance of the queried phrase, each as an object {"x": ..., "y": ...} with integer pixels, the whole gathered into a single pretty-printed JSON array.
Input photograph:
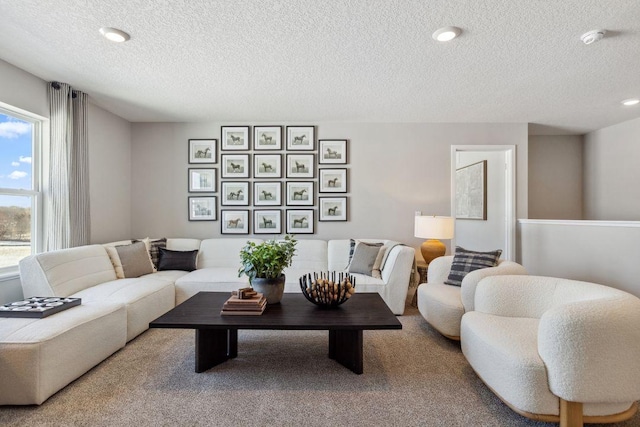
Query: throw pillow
[
  {"x": 465, "y": 261},
  {"x": 177, "y": 260},
  {"x": 134, "y": 259},
  {"x": 364, "y": 256},
  {"x": 153, "y": 247}
]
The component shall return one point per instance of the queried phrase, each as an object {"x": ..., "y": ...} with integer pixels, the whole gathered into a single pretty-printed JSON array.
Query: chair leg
[{"x": 570, "y": 414}]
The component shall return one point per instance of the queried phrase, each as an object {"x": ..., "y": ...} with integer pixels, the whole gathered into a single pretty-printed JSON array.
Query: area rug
[{"x": 412, "y": 377}]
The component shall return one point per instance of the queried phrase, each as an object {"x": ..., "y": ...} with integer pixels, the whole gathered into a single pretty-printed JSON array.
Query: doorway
[{"x": 498, "y": 230}]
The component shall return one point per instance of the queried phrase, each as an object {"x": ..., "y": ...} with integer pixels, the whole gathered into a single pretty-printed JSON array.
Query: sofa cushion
[
  {"x": 222, "y": 252},
  {"x": 145, "y": 299},
  {"x": 212, "y": 279},
  {"x": 465, "y": 261},
  {"x": 177, "y": 260},
  {"x": 504, "y": 353},
  {"x": 134, "y": 259}
]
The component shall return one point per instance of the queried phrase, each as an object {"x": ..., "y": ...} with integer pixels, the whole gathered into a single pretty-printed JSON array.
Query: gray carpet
[{"x": 413, "y": 377}]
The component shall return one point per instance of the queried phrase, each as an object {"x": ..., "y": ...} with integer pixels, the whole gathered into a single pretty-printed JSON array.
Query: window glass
[
  {"x": 19, "y": 186},
  {"x": 15, "y": 229},
  {"x": 16, "y": 153}
]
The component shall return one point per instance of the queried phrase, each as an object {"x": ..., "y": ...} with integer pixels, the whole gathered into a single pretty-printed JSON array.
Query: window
[{"x": 20, "y": 198}]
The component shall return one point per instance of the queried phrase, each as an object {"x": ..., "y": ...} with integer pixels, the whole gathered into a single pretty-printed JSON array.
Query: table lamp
[{"x": 433, "y": 228}]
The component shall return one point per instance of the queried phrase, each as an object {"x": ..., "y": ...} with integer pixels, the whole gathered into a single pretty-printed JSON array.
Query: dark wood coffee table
[{"x": 217, "y": 336}]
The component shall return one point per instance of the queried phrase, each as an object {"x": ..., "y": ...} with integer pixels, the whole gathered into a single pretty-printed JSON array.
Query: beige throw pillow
[
  {"x": 134, "y": 259},
  {"x": 364, "y": 257}
]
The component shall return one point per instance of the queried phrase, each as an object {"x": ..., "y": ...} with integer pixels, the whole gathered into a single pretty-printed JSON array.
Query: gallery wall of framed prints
[{"x": 271, "y": 179}]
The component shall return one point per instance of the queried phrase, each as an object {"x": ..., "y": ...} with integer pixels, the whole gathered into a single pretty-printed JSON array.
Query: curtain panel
[{"x": 68, "y": 218}]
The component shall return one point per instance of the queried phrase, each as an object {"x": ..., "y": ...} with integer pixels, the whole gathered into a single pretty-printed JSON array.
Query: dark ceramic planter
[{"x": 272, "y": 289}]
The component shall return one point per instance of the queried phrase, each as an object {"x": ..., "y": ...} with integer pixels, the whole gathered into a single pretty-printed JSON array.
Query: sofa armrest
[
  {"x": 471, "y": 280},
  {"x": 396, "y": 276},
  {"x": 439, "y": 269},
  {"x": 591, "y": 349}
]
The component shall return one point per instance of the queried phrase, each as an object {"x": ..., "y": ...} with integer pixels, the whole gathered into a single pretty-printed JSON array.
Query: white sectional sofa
[{"x": 39, "y": 357}]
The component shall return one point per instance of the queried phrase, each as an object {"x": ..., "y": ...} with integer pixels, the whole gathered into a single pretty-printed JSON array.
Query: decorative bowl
[{"x": 328, "y": 288}]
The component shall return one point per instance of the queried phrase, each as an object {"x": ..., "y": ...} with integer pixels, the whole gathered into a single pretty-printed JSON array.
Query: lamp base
[{"x": 432, "y": 249}]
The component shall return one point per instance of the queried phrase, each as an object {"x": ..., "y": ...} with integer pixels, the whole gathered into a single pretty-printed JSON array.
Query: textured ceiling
[{"x": 338, "y": 60}]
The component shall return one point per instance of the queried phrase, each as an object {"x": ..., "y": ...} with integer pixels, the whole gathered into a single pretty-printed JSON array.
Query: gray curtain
[{"x": 67, "y": 219}]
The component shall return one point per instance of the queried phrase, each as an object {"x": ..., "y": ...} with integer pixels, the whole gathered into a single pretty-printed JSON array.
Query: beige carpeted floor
[{"x": 413, "y": 377}]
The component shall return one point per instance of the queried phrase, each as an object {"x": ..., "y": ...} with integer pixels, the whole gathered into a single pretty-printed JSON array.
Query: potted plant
[{"x": 264, "y": 264}]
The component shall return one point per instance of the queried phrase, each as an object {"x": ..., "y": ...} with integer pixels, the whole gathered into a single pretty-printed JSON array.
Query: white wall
[
  {"x": 604, "y": 252},
  {"x": 612, "y": 172},
  {"x": 555, "y": 177},
  {"x": 490, "y": 234},
  {"x": 395, "y": 169},
  {"x": 109, "y": 176},
  {"x": 23, "y": 90}
]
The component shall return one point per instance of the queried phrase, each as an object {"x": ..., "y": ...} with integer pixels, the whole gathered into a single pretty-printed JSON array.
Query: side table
[{"x": 422, "y": 267}]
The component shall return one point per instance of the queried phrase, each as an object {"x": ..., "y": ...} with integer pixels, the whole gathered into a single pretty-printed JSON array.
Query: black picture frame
[
  {"x": 203, "y": 151},
  {"x": 301, "y": 138},
  {"x": 267, "y": 221},
  {"x": 293, "y": 217},
  {"x": 239, "y": 216},
  {"x": 235, "y": 138},
  {"x": 203, "y": 208}
]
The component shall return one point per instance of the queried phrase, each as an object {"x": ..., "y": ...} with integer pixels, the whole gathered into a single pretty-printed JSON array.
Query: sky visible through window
[{"x": 15, "y": 158}]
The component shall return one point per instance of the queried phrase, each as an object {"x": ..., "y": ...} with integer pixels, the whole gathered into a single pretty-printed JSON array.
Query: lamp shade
[{"x": 434, "y": 227}]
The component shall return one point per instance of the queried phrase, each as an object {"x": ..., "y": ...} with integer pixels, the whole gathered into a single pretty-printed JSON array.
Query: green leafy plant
[{"x": 268, "y": 259}]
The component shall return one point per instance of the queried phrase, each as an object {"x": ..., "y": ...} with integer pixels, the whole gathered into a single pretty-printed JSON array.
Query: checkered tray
[{"x": 38, "y": 307}]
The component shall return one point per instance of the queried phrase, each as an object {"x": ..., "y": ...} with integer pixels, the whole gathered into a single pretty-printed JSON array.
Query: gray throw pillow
[
  {"x": 135, "y": 260},
  {"x": 465, "y": 261},
  {"x": 364, "y": 256}
]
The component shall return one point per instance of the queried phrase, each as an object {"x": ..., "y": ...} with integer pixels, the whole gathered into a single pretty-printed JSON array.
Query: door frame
[{"x": 509, "y": 252}]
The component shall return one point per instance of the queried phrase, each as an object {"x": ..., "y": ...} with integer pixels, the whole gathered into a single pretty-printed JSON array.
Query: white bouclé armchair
[
  {"x": 556, "y": 350},
  {"x": 443, "y": 305}
]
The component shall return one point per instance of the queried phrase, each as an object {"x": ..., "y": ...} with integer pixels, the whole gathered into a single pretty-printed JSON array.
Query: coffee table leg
[
  {"x": 233, "y": 343},
  {"x": 345, "y": 347},
  {"x": 212, "y": 348}
]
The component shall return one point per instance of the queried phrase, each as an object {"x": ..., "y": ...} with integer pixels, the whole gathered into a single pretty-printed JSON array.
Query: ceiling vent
[{"x": 592, "y": 36}]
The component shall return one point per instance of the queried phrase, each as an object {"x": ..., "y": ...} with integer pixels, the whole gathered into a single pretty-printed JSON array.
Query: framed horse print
[
  {"x": 234, "y": 138},
  {"x": 235, "y": 165},
  {"x": 267, "y": 221},
  {"x": 301, "y": 138},
  {"x": 234, "y": 193},
  {"x": 300, "y": 221},
  {"x": 300, "y": 165},
  {"x": 333, "y": 209},
  {"x": 267, "y": 193},
  {"x": 267, "y": 138},
  {"x": 300, "y": 193},
  {"x": 234, "y": 222},
  {"x": 202, "y": 150},
  {"x": 333, "y": 181}
]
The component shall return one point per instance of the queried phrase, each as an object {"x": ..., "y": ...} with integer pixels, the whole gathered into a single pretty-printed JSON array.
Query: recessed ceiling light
[
  {"x": 445, "y": 34},
  {"x": 630, "y": 102},
  {"x": 114, "y": 34}
]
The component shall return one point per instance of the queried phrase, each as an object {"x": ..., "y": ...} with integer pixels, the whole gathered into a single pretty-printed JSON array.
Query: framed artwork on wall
[
  {"x": 267, "y": 221},
  {"x": 235, "y": 165},
  {"x": 202, "y": 208},
  {"x": 267, "y": 137},
  {"x": 300, "y": 221},
  {"x": 267, "y": 193},
  {"x": 234, "y": 138},
  {"x": 333, "y": 180},
  {"x": 234, "y": 222},
  {"x": 202, "y": 150},
  {"x": 267, "y": 166},
  {"x": 300, "y": 165},
  {"x": 234, "y": 193},
  {"x": 301, "y": 138},
  {"x": 202, "y": 180},
  {"x": 300, "y": 193},
  {"x": 332, "y": 151},
  {"x": 471, "y": 191},
  {"x": 333, "y": 209}
]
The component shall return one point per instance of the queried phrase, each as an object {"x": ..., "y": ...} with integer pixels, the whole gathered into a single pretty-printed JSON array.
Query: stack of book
[{"x": 254, "y": 305}]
